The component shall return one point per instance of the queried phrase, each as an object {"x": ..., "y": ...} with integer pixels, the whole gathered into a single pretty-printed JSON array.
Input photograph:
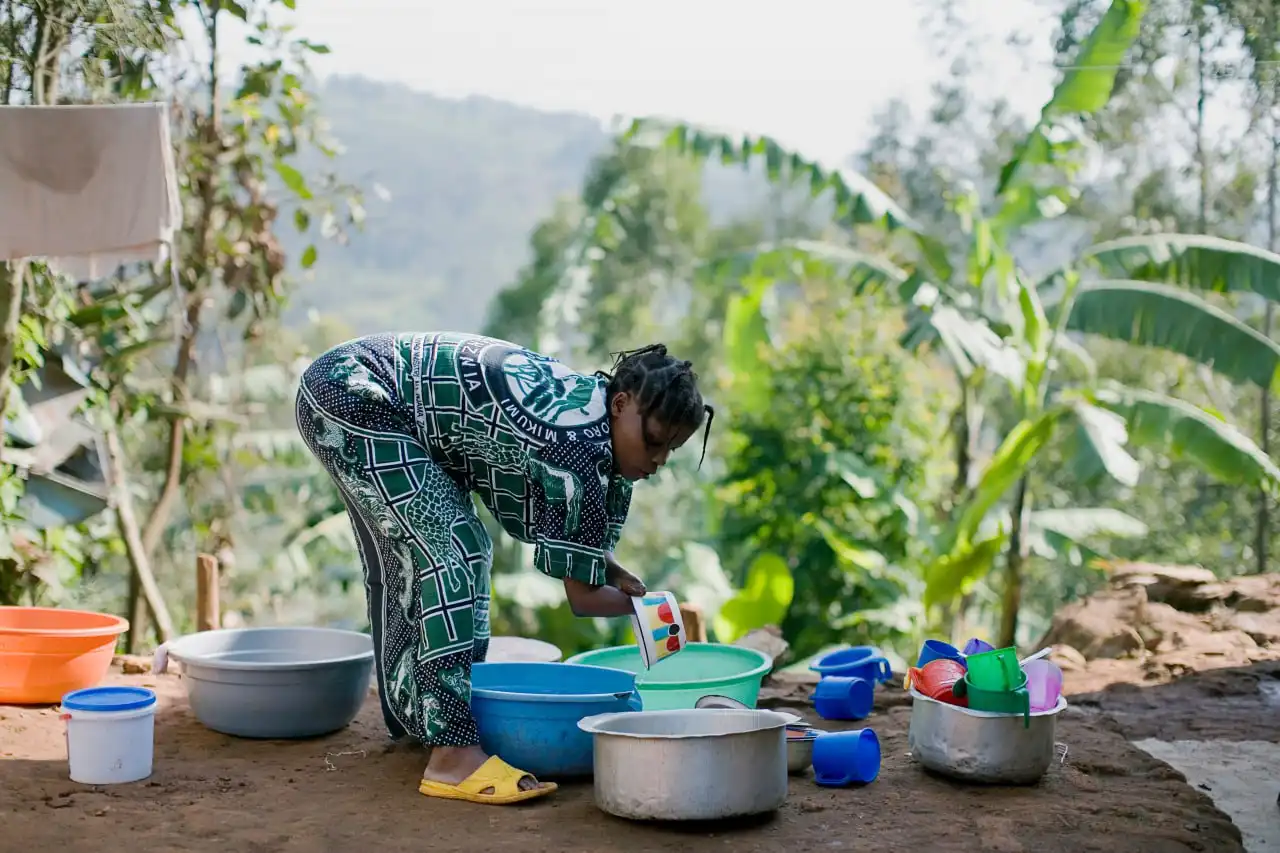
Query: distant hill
[{"x": 469, "y": 179}]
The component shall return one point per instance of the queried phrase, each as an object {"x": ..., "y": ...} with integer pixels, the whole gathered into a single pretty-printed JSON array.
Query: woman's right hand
[{"x": 619, "y": 577}]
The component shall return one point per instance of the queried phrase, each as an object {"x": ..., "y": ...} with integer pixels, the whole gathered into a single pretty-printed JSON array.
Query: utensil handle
[
  {"x": 160, "y": 659},
  {"x": 886, "y": 672},
  {"x": 1042, "y": 653}
]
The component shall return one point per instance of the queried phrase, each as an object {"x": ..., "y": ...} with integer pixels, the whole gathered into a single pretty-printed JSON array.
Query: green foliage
[
  {"x": 1191, "y": 261},
  {"x": 1084, "y": 89},
  {"x": 763, "y": 600},
  {"x": 844, "y": 513},
  {"x": 1173, "y": 319},
  {"x": 831, "y": 482},
  {"x": 229, "y": 261},
  {"x": 1188, "y": 432},
  {"x": 857, "y": 201}
]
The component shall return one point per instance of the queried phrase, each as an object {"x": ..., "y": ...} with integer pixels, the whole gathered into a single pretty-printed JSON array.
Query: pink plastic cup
[{"x": 1044, "y": 684}]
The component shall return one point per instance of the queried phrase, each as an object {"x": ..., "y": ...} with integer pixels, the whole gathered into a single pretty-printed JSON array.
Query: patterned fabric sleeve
[
  {"x": 618, "y": 504},
  {"x": 570, "y": 487}
]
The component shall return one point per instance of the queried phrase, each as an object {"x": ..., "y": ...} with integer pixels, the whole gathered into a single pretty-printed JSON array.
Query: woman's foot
[{"x": 453, "y": 764}]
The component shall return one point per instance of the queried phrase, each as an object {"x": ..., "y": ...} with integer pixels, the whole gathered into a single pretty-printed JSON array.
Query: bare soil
[
  {"x": 354, "y": 791},
  {"x": 1163, "y": 654}
]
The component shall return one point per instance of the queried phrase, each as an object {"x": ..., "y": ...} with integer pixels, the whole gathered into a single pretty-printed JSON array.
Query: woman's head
[{"x": 655, "y": 407}]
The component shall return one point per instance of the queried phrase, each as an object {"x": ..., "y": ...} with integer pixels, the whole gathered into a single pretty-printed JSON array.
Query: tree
[
  {"x": 835, "y": 485},
  {"x": 1147, "y": 189},
  {"x": 239, "y": 152},
  {"x": 993, "y": 323}
]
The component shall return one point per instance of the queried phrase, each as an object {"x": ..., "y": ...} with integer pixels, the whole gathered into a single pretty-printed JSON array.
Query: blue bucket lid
[{"x": 108, "y": 699}]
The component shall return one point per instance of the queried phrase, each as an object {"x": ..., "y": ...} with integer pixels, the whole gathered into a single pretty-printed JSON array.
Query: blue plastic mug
[
  {"x": 839, "y": 697},
  {"x": 937, "y": 650},
  {"x": 854, "y": 662},
  {"x": 846, "y": 758}
]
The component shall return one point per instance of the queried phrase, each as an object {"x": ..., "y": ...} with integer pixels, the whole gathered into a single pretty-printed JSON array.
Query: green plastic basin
[{"x": 701, "y": 669}]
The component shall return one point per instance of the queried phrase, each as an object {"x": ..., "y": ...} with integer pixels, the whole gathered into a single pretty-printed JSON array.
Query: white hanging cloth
[{"x": 87, "y": 188}]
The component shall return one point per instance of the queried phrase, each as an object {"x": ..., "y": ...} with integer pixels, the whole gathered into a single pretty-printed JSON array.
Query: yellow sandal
[{"x": 494, "y": 773}]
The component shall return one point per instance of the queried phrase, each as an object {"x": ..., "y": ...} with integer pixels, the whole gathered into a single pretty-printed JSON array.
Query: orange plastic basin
[{"x": 46, "y": 652}]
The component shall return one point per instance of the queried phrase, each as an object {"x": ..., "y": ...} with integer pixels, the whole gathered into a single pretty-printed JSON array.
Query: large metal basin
[
  {"x": 704, "y": 764},
  {"x": 979, "y": 746},
  {"x": 274, "y": 682}
]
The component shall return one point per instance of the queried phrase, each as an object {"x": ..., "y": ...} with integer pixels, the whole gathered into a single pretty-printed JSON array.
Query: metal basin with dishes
[
  {"x": 980, "y": 746},
  {"x": 800, "y": 741},
  {"x": 273, "y": 682},
  {"x": 694, "y": 764}
]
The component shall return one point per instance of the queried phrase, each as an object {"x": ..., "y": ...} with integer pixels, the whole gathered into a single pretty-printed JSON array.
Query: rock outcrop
[{"x": 1170, "y": 618}]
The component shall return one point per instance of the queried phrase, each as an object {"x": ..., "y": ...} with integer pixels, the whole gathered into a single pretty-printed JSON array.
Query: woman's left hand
[{"x": 619, "y": 577}]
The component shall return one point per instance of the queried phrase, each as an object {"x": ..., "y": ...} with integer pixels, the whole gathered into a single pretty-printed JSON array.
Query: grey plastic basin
[{"x": 275, "y": 682}]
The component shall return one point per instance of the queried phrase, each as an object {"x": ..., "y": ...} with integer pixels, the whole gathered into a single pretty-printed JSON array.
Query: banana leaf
[
  {"x": 1191, "y": 434},
  {"x": 1169, "y": 318}
]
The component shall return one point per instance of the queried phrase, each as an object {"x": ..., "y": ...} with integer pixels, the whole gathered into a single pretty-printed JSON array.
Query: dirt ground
[
  {"x": 353, "y": 791},
  {"x": 1171, "y": 658}
]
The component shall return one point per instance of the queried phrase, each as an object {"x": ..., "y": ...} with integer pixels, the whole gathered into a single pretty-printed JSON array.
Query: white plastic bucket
[{"x": 110, "y": 734}]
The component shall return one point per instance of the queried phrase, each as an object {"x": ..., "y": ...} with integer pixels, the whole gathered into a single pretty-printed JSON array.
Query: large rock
[
  {"x": 1203, "y": 641},
  {"x": 1103, "y": 625},
  {"x": 1264, "y": 628},
  {"x": 1068, "y": 658},
  {"x": 768, "y": 640},
  {"x": 1165, "y": 628},
  {"x": 1253, "y": 593},
  {"x": 1189, "y": 588}
]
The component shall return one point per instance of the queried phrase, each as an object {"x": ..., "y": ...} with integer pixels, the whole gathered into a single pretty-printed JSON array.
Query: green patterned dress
[{"x": 409, "y": 427}]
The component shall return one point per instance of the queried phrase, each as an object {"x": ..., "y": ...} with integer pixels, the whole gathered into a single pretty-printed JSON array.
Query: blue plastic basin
[{"x": 528, "y": 713}]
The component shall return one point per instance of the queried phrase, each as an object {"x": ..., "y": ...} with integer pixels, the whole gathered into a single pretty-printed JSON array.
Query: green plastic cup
[
  {"x": 1016, "y": 701},
  {"x": 996, "y": 670}
]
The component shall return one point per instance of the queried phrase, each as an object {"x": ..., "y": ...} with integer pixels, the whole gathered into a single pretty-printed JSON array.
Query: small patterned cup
[{"x": 658, "y": 627}]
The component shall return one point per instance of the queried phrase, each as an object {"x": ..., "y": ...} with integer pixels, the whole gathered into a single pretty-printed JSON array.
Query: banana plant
[
  {"x": 1150, "y": 293},
  {"x": 989, "y": 319},
  {"x": 1021, "y": 343}
]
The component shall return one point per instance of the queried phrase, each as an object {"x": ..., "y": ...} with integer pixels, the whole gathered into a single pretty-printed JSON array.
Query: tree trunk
[
  {"x": 966, "y": 425},
  {"x": 169, "y": 492},
  {"x": 963, "y": 433},
  {"x": 1202, "y": 165},
  {"x": 1013, "y": 570},
  {"x": 136, "y": 612},
  {"x": 1263, "y": 543},
  {"x": 128, "y": 525},
  {"x": 1263, "y": 540},
  {"x": 162, "y": 509},
  {"x": 8, "y": 13},
  {"x": 212, "y": 139}
]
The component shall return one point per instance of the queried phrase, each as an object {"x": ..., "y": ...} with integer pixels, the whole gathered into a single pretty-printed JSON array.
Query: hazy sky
[{"x": 810, "y": 72}]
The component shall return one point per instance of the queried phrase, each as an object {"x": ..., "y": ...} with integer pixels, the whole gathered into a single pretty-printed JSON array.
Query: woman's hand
[
  {"x": 604, "y": 600},
  {"x": 611, "y": 599},
  {"x": 619, "y": 577}
]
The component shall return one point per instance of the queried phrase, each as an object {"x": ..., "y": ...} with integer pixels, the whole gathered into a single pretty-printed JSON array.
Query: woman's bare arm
[{"x": 588, "y": 600}]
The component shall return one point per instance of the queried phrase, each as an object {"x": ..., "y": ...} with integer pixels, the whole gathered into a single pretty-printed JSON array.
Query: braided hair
[{"x": 663, "y": 386}]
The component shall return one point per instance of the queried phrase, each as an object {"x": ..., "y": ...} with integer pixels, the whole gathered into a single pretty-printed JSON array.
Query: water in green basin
[{"x": 679, "y": 681}]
